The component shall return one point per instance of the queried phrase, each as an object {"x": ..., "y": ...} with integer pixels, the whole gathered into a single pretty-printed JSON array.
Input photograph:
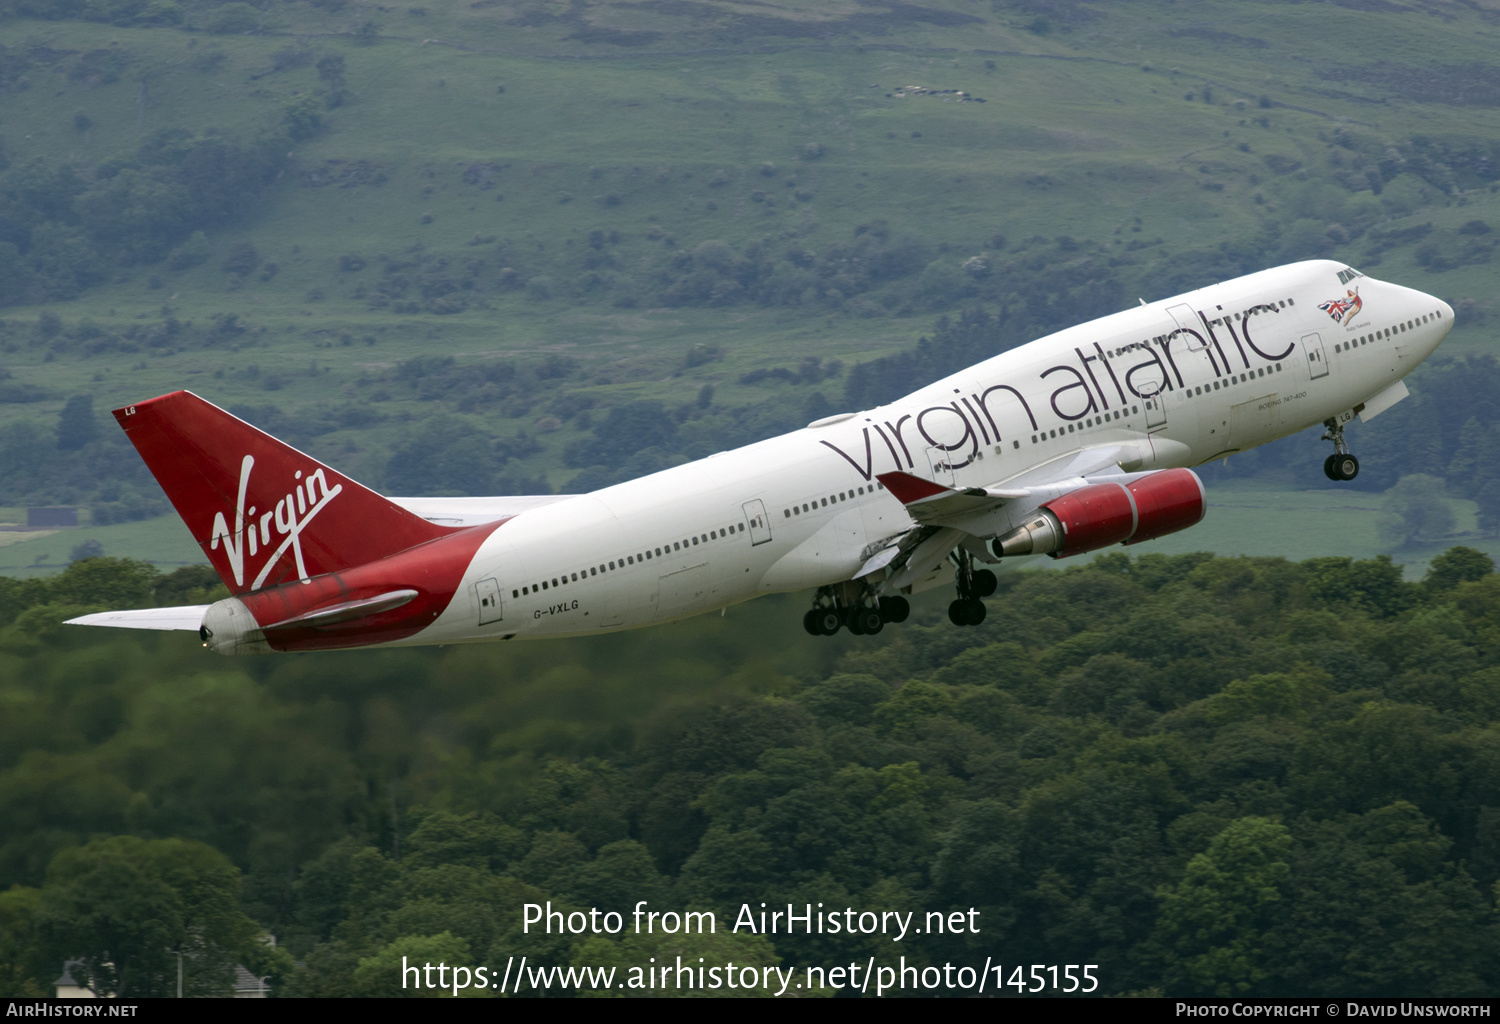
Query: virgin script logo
[{"x": 290, "y": 517}]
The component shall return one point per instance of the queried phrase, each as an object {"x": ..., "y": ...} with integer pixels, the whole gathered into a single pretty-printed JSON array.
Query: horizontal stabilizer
[
  {"x": 475, "y": 511},
  {"x": 189, "y": 616}
]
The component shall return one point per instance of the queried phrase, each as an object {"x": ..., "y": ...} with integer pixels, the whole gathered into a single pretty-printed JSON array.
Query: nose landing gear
[{"x": 1341, "y": 465}]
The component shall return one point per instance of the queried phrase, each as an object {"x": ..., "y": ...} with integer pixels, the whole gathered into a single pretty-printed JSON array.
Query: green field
[
  {"x": 163, "y": 540},
  {"x": 1250, "y": 519}
]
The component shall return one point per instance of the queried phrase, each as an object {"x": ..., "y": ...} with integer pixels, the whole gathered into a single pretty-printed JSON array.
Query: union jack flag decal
[{"x": 1343, "y": 310}]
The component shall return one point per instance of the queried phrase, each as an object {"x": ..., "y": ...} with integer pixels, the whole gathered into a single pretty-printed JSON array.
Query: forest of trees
[{"x": 1208, "y": 775}]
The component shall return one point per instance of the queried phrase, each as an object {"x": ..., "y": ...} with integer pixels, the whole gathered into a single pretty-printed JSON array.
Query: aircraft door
[
  {"x": 1187, "y": 323},
  {"x": 758, "y": 522},
  {"x": 1317, "y": 361},
  {"x": 1156, "y": 410},
  {"x": 487, "y": 592},
  {"x": 942, "y": 469}
]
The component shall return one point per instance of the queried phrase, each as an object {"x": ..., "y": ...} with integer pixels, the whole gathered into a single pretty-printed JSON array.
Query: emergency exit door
[
  {"x": 488, "y": 593},
  {"x": 758, "y": 521}
]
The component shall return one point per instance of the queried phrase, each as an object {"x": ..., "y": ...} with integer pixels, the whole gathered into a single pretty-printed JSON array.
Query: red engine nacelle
[
  {"x": 1099, "y": 515},
  {"x": 1166, "y": 502}
]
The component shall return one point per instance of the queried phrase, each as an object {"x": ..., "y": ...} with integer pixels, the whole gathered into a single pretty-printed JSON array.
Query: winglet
[{"x": 909, "y": 489}]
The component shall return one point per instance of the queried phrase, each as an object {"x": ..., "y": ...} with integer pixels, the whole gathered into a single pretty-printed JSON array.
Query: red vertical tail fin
[{"x": 263, "y": 512}]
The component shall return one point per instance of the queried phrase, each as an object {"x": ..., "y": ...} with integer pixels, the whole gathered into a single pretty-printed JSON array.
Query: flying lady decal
[{"x": 1343, "y": 310}]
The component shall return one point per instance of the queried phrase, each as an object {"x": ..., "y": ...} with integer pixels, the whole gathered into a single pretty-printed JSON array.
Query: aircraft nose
[{"x": 1445, "y": 324}]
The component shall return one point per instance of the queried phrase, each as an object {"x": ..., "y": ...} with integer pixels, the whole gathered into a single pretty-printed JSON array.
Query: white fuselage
[{"x": 1171, "y": 383}]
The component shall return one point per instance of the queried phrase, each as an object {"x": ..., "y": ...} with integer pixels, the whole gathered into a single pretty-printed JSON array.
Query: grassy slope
[{"x": 1075, "y": 138}]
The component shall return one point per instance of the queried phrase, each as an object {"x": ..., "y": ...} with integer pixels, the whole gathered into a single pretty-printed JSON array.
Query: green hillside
[{"x": 373, "y": 231}]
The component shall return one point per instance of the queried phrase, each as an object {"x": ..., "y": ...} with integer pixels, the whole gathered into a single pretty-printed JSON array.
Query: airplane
[{"x": 1074, "y": 442}]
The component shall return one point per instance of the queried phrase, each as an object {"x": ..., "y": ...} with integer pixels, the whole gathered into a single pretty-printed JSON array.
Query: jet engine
[{"x": 1102, "y": 514}]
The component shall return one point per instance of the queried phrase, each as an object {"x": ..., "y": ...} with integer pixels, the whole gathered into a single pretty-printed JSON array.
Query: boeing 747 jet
[{"x": 1074, "y": 442}]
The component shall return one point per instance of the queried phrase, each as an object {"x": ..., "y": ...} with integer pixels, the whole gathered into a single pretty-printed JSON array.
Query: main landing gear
[
  {"x": 973, "y": 584},
  {"x": 1341, "y": 465},
  {"x": 856, "y": 607},
  {"x": 853, "y": 606}
]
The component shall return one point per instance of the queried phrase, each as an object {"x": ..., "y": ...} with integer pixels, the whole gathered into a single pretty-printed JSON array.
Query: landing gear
[
  {"x": 894, "y": 609},
  {"x": 973, "y": 584},
  {"x": 822, "y": 621},
  {"x": 864, "y": 620},
  {"x": 984, "y": 583},
  {"x": 1341, "y": 465},
  {"x": 966, "y": 612},
  {"x": 853, "y": 606}
]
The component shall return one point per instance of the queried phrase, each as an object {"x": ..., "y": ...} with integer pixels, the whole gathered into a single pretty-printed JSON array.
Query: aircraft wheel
[
  {"x": 1345, "y": 467},
  {"x": 966, "y": 612},
  {"x": 1328, "y": 469},
  {"x": 854, "y": 621},
  {"x": 984, "y": 583},
  {"x": 869, "y": 621},
  {"x": 976, "y": 611},
  {"x": 828, "y": 621},
  {"x": 894, "y": 609},
  {"x": 810, "y": 622}
]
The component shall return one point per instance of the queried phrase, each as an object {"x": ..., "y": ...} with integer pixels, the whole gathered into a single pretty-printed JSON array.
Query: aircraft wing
[
  {"x": 928, "y": 503},
  {"x": 189, "y": 616},
  {"x": 968, "y": 508},
  {"x": 474, "y": 511},
  {"x": 948, "y": 517}
]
